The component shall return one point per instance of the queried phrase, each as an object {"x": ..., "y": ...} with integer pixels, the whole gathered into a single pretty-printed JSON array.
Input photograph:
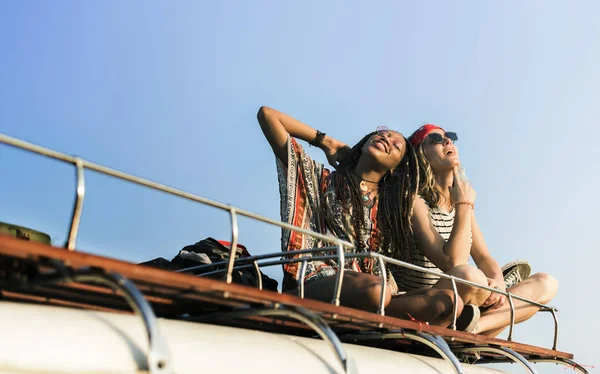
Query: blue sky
[{"x": 169, "y": 91}]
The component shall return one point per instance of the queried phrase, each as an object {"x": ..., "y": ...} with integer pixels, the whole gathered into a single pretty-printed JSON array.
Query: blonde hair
[{"x": 427, "y": 185}]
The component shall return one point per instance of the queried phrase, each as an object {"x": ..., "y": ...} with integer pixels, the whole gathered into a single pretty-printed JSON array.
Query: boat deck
[{"x": 39, "y": 273}]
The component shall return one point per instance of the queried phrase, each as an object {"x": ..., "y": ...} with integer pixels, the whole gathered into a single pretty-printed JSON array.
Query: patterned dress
[{"x": 308, "y": 200}]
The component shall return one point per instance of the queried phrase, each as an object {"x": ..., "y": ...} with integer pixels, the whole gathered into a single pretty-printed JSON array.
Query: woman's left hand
[
  {"x": 495, "y": 300},
  {"x": 335, "y": 151}
]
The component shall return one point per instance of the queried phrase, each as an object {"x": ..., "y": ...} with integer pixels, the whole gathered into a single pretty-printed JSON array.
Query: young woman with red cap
[
  {"x": 366, "y": 201},
  {"x": 447, "y": 235}
]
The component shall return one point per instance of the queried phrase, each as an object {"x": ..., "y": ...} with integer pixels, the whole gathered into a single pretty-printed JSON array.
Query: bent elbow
[{"x": 262, "y": 112}]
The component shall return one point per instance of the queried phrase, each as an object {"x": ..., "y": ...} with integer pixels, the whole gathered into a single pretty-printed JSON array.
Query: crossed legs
[
  {"x": 435, "y": 305},
  {"x": 363, "y": 291},
  {"x": 540, "y": 287}
]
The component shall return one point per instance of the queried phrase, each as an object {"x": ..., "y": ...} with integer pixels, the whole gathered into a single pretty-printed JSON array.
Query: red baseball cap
[{"x": 418, "y": 136}]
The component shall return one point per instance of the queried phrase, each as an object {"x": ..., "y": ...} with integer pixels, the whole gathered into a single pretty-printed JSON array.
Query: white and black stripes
[{"x": 408, "y": 279}]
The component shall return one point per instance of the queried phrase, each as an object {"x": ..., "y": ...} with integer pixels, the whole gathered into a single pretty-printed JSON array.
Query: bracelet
[
  {"x": 466, "y": 203},
  {"x": 318, "y": 140}
]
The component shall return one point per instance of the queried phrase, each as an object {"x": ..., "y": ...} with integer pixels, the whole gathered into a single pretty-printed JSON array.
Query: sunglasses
[
  {"x": 439, "y": 138},
  {"x": 385, "y": 132}
]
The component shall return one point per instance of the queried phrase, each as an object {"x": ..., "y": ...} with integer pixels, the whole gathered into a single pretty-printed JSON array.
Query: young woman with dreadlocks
[
  {"x": 447, "y": 235},
  {"x": 367, "y": 201}
]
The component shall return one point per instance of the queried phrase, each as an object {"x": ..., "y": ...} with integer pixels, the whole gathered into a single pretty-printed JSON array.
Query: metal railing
[{"x": 339, "y": 246}]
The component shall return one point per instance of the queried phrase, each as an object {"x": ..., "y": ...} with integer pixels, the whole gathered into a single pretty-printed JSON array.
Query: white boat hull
[{"x": 46, "y": 339}]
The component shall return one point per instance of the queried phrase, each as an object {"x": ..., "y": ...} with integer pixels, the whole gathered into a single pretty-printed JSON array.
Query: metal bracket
[
  {"x": 506, "y": 352},
  {"x": 311, "y": 319},
  {"x": 437, "y": 343},
  {"x": 158, "y": 354}
]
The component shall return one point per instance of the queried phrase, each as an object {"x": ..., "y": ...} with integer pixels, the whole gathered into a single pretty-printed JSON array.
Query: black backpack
[{"x": 209, "y": 251}]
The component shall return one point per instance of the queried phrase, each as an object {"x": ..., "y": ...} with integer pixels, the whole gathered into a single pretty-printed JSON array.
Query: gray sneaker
[{"x": 515, "y": 271}]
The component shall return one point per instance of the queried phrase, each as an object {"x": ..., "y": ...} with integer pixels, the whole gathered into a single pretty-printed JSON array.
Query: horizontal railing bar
[
  {"x": 157, "y": 186},
  {"x": 192, "y": 269},
  {"x": 277, "y": 262},
  {"x": 460, "y": 280},
  {"x": 385, "y": 258}
]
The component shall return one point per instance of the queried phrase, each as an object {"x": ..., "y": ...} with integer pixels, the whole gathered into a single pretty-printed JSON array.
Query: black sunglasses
[{"x": 439, "y": 138}]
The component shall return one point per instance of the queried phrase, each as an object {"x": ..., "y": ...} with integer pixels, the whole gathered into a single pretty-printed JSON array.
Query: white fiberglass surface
[{"x": 44, "y": 339}]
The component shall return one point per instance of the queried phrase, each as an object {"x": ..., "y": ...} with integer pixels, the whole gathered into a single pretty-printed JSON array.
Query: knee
[
  {"x": 470, "y": 273},
  {"x": 369, "y": 289},
  {"x": 443, "y": 304},
  {"x": 372, "y": 297},
  {"x": 548, "y": 286}
]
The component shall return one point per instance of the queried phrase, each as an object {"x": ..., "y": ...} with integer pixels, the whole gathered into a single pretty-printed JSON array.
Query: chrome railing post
[
  {"x": 455, "y": 304},
  {"x": 512, "y": 317},
  {"x": 553, "y": 311},
  {"x": 233, "y": 249},
  {"x": 78, "y": 205},
  {"x": 383, "y": 270},
  {"x": 258, "y": 275},
  {"x": 340, "y": 275},
  {"x": 302, "y": 276}
]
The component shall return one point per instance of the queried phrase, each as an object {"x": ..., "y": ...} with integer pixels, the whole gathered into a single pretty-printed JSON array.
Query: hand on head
[{"x": 336, "y": 153}]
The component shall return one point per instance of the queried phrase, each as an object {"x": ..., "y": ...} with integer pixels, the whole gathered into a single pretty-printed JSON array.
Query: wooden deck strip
[{"x": 234, "y": 294}]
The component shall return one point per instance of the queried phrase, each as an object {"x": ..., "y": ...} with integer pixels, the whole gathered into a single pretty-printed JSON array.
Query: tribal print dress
[{"x": 308, "y": 201}]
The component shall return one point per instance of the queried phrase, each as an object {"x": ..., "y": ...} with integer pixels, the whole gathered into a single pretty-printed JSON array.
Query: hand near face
[{"x": 461, "y": 190}]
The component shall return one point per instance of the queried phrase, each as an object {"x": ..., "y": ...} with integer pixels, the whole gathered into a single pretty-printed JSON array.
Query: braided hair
[{"x": 397, "y": 191}]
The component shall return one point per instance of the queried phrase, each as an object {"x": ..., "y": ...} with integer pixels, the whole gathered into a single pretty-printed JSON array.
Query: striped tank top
[{"x": 409, "y": 279}]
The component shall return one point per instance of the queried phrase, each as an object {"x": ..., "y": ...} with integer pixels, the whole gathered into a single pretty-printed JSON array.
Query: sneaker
[
  {"x": 515, "y": 271},
  {"x": 468, "y": 319}
]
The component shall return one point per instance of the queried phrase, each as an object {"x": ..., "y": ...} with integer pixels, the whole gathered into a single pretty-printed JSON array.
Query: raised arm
[{"x": 276, "y": 126}]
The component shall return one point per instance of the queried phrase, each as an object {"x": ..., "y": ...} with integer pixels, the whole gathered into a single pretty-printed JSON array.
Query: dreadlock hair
[{"x": 395, "y": 201}]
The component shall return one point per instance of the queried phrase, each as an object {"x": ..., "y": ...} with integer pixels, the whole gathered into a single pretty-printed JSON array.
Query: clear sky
[{"x": 170, "y": 90}]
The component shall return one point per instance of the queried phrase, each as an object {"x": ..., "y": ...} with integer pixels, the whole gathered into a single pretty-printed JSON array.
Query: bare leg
[
  {"x": 469, "y": 294},
  {"x": 540, "y": 287},
  {"x": 363, "y": 291},
  {"x": 359, "y": 290},
  {"x": 431, "y": 305}
]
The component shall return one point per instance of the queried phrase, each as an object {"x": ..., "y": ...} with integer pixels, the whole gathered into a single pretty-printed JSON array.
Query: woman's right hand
[
  {"x": 461, "y": 190},
  {"x": 335, "y": 151}
]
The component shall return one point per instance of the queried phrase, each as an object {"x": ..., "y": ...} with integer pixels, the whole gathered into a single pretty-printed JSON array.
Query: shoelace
[{"x": 512, "y": 278}]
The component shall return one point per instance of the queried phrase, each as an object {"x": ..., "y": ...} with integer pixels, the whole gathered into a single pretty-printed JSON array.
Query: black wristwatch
[{"x": 318, "y": 140}]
